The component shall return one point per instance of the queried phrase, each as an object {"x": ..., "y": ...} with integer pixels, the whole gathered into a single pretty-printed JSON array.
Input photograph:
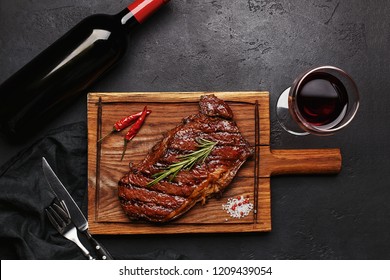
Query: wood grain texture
[{"x": 251, "y": 112}]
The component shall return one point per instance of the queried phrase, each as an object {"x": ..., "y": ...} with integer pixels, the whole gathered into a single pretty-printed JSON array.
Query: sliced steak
[{"x": 167, "y": 200}]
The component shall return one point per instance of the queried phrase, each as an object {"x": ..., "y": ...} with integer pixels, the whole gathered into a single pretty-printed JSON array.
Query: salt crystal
[{"x": 238, "y": 207}]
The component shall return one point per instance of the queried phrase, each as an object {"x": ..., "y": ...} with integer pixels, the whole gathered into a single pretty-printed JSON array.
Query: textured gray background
[{"x": 226, "y": 45}]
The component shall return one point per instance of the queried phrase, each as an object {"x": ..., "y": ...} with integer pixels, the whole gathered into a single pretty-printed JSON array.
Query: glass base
[{"x": 284, "y": 117}]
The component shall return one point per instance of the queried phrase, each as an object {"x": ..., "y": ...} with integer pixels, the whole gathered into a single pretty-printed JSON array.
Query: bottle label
[{"x": 142, "y": 9}]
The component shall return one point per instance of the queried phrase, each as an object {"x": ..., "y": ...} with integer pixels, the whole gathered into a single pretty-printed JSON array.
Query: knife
[{"x": 76, "y": 216}]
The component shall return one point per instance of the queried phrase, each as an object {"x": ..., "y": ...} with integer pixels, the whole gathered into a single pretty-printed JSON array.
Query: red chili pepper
[
  {"x": 125, "y": 122},
  {"x": 134, "y": 130}
]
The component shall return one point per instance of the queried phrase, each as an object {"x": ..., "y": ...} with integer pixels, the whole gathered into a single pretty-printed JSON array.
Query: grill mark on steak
[
  {"x": 167, "y": 200},
  {"x": 170, "y": 188},
  {"x": 151, "y": 197},
  {"x": 185, "y": 140}
]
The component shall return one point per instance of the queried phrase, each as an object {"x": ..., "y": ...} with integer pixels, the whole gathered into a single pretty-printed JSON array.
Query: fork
[{"x": 59, "y": 216}]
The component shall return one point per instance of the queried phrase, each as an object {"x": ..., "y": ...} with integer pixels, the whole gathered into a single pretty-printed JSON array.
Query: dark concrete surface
[{"x": 227, "y": 45}]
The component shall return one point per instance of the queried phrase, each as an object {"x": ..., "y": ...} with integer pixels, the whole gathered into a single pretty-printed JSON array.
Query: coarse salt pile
[{"x": 238, "y": 207}]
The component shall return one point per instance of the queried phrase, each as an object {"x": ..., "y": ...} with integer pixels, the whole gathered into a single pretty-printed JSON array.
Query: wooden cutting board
[{"x": 251, "y": 112}]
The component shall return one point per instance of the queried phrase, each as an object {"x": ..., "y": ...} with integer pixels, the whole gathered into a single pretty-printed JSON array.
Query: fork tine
[
  {"x": 57, "y": 217},
  {"x": 62, "y": 212},
  {"x": 65, "y": 208},
  {"x": 51, "y": 218}
]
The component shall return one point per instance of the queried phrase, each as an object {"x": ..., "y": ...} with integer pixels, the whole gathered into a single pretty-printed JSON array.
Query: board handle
[{"x": 306, "y": 161}]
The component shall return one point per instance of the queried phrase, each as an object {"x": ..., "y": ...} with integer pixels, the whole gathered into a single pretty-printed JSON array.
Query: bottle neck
[{"x": 138, "y": 11}]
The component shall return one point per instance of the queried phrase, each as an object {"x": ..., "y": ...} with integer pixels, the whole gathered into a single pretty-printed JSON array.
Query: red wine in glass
[{"x": 322, "y": 99}]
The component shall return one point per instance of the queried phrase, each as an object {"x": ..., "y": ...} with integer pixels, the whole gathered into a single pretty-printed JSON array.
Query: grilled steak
[{"x": 170, "y": 198}]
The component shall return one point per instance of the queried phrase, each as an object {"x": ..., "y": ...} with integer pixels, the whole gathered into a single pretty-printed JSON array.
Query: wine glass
[{"x": 321, "y": 101}]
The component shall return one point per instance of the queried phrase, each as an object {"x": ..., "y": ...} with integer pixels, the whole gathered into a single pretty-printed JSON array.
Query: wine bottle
[{"x": 68, "y": 67}]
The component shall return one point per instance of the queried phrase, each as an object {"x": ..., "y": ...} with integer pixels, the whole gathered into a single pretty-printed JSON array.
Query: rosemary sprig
[{"x": 186, "y": 161}]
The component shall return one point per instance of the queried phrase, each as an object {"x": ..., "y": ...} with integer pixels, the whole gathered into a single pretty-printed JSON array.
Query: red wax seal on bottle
[{"x": 142, "y": 9}]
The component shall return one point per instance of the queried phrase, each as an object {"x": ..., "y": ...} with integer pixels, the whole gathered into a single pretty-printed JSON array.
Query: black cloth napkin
[{"x": 25, "y": 231}]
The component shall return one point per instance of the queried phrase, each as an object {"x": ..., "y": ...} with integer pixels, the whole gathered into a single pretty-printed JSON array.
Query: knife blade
[{"x": 76, "y": 216}]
